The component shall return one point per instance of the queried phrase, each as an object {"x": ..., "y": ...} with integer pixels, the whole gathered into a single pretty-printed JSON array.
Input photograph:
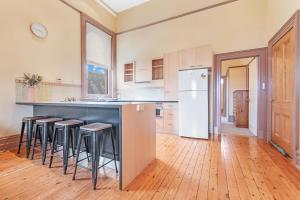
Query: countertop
[
  {"x": 108, "y": 103},
  {"x": 77, "y": 104}
]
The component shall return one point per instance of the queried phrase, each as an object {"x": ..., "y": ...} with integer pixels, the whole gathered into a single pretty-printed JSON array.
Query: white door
[
  {"x": 193, "y": 80},
  {"x": 193, "y": 114},
  {"x": 253, "y": 96}
]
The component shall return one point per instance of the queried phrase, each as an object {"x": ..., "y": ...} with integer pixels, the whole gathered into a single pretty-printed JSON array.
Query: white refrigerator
[{"x": 193, "y": 103}]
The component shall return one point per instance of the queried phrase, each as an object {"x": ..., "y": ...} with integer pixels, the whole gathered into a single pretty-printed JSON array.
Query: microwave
[{"x": 159, "y": 111}]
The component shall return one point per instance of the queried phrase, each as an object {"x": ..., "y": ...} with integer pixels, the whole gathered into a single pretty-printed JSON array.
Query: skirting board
[
  {"x": 298, "y": 159},
  {"x": 9, "y": 142}
]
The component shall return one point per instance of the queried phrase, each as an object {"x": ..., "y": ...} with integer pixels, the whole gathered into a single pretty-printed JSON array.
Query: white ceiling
[{"x": 121, "y": 5}]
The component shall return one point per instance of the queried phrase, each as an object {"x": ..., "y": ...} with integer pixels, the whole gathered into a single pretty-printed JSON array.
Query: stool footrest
[
  {"x": 84, "y": 159},
  {"x": 106, "y": 163}
]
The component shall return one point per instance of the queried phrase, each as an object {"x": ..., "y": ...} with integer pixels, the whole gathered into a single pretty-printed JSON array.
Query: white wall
[
  {"x": 236, "y": 26},
  {"x": 253, "y": 77},
  {"x": 57, "y": 56},
  {"x": 278, "y": 12}
]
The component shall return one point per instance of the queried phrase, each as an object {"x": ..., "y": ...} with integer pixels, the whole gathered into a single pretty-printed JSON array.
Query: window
[
  {"x": 97, "y": 80},
  {"x": 97, "y": 59}
]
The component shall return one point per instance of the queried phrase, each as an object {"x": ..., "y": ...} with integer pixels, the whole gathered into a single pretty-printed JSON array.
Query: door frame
[
  {"x": 293, "y": 22},
  {"x": 262, "y": 89}
]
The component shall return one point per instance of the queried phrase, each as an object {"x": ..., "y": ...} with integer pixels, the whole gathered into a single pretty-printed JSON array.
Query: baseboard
[
  {"x": 9, "y": 142},
  {"x": 298, "y": 159}
]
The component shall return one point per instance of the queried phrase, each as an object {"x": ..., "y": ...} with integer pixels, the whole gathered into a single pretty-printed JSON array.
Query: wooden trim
[
  {"x": 224, "y": 95},
  {"x": 177, "y": 16},
  {"x": 66, "y": 3},
  {"x": 53, "y": 84},
  {"x": 9, "y": 142},
  {"x": 293, "y": 22},
  {"x": 112, "y": 76},
  {"x": 261, "y": 53}
]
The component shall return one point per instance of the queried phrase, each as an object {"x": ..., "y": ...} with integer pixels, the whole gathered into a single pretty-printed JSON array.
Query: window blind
[{"x": 98, "y": 46}]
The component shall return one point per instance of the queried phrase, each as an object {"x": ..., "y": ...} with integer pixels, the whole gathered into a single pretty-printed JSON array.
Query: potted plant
[{"x": 31, "y": 81}]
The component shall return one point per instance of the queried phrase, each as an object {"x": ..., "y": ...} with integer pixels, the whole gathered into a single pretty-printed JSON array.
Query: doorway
[
  {"x": 261, "y": 56},
  {"x": 239, "y": 96}
]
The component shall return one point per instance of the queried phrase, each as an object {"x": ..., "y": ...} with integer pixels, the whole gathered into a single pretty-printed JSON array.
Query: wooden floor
[{"x": 231, "y": 167}]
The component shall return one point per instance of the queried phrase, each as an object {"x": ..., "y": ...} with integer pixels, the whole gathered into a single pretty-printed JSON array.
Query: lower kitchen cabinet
[{"x": 168, "y": 123}]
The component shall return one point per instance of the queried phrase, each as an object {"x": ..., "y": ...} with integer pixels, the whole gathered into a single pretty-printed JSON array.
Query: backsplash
[
  {"x": 142, "y": 94},
  {"x": 48, "y": 91}
]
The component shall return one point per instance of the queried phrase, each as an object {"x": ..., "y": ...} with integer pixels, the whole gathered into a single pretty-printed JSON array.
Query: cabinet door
[
  {"x": 143, "y": 71},
  {"x": 171, "y": 66},
  {"x": 204, "y": 56},
  {"x": 188, "y": 58}
]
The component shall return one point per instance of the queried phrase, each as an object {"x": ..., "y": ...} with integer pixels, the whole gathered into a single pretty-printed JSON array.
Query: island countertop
[
  {"x": 133, "y": 124},
  {"x": 77, "y": 104}
]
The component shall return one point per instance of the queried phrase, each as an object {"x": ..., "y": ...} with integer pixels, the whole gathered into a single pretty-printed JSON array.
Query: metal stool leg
[
  {"x": 66, "y": 149},
  {"x": 114, "y": 151},
  {"x": 21, "y": 136},
  {"x": 44, "y": 142},
  {"x": 78, "y": 152},
  {"x": 53, "y": 145},
  {"x": 72, "y": 141},
  {"x": 95, "y": 159},
  {"x": 29, "y": 125},
  {"x": 87, "y": 149},
  {"x": 37, "y": 134}
]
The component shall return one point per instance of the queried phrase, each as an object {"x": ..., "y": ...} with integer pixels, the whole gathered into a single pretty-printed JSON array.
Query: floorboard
[{"x": 226, "y": 167}]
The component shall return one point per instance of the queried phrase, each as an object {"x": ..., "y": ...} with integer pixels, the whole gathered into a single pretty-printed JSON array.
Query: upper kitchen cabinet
[
  {"x": 143, "y": 71},
  {"x": 171, "y": 67},
  {"x": 196, "y": 57}
]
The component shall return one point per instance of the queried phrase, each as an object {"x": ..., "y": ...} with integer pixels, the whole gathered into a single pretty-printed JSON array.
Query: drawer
[
  {"x": 170, "y": 114},
  {"x": 170, "y": 125},
  {"x": 159, "y": 123},
  {"x": 170, "y": 106}
]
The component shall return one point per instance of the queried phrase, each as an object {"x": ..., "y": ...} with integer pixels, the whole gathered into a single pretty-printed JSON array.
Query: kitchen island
[{"x": 134, "y": 125}]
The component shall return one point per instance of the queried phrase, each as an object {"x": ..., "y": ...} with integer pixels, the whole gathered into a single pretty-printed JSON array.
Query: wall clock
[{"x": 39, "y": 30}]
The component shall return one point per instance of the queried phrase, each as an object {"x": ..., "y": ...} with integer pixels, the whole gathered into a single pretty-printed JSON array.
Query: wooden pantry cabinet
[
  {"x": 171, "y": 67},
  {"x": 196, "y": 57},
  {"x": 169, "y": 122},
  {"x": 185, "y": 59}
]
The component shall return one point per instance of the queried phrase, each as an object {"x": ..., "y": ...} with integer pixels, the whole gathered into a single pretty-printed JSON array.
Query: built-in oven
[{"x": 159, "y": 110}]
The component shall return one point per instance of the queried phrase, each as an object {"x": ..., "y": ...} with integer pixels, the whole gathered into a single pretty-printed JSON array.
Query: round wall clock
[{"x": 39, "y": 30}]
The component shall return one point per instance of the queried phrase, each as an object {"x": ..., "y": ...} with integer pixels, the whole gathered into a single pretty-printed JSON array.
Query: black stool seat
[
  {"x": 66, "y": 127},
  {"x": 69, "y": 123},
  {"x": 48, "y": 120},
  {"x": 94, "y": 131},
  {"x": 95, "y": 127},
  {"x": 28, "y": 122},
  {"x": 42, "y": 130},
  {"x": 34, "y": 118}
]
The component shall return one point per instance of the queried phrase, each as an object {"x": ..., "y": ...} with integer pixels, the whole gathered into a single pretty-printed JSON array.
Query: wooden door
[
  {"x": 241, "y": 107},
  {"x": 171, "y": 67},
  {"x": 282, "y": 91}
]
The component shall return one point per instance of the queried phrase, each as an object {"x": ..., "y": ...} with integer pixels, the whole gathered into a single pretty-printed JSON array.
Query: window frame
[{"x": 84, "y": 62}]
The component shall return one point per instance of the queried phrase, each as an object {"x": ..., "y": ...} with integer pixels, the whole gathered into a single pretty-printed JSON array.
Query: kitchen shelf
[
  {"x": 157, "y": 69},
  {"x": 129, "y": 72}
]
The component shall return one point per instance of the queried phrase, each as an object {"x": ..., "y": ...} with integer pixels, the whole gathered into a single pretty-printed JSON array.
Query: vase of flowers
[{"x": 31, "y": 81}]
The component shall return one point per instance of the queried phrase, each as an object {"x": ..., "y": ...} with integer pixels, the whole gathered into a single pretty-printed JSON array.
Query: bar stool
[
  {"x": 42, "y": 130},
  {"x": 29, "y": 123},
  {"x": 94, "y": 131},
  {"x": 66, "y": 127}
]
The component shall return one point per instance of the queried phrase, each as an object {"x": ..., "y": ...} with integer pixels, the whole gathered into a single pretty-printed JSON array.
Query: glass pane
[{"x": 97, "y": 79}]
